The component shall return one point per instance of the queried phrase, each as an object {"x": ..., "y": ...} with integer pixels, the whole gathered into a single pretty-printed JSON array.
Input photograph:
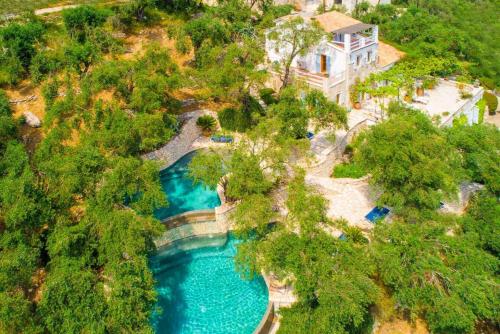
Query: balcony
[
  {"x": 319, "y": 80},
  {"x": 356, "y": 43}
]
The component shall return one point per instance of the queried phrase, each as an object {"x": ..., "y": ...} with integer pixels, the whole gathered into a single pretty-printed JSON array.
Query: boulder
[{"x": 32, "y": 120}]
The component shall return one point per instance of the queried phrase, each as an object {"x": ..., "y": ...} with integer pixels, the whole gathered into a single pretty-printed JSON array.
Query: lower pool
[
  {"x": 182, "y": 194},
  {"x": 200, "y": 292}
]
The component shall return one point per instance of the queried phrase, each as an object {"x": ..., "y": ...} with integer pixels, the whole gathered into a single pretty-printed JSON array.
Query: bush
[
  {"x": 481, "y": 105},
  {"x": 44, "y": 63},
  {"x": 152, "y": 131},
  {"x": 491, "y": 102},
  {"x": 206, "y": 122},
  {"x": 351, "y": 170},
  {"x": 78, "y": 21},
  {"x": 4, "y": 104},
  {"x": 236, "y": 119},
  {"x": 267, "y": 95},
  {"x": 50, "y": 91},
  {"x": 349, "y": 149}
]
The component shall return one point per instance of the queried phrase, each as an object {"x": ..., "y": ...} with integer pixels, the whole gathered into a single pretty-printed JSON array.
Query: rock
[
  {"x": 32, "y": 120},
  {"x": 188, "y": 102},
  {"x": 118, "y": 35}
]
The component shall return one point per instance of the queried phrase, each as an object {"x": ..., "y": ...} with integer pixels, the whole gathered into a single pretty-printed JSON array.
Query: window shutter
[
  {"x": 318, "y": 63},
  {"x": 328, "y": 58}
]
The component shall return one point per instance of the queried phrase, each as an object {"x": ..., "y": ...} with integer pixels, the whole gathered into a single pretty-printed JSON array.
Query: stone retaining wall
[{"x": 325, "y": 165}]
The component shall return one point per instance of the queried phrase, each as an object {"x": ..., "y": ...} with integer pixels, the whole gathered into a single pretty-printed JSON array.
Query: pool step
[{"x": 190, "y": 217}]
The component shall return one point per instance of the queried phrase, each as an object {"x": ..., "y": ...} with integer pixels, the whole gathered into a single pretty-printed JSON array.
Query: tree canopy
[{"x": 412, "y": 162}]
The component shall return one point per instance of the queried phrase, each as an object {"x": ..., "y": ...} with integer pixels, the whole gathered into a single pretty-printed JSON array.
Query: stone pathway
[
  {"x": 188, "y": 139},
  {"x": 328, "y": 152},
  {"x": 350, "y": 199}
]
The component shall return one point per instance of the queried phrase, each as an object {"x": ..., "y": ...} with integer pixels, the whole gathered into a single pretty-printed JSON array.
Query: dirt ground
[
  {"x": 25, "y": 90},
  {"x": 135, "y": 45},
  {"x": 495, "y": 119},
  {"x": 400, "y": 326}
]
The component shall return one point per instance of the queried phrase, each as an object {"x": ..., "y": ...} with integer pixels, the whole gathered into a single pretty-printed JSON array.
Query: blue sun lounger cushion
[{"x": 377, "y": 214}]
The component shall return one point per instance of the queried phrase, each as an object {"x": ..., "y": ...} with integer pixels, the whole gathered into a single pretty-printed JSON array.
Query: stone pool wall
[{"x": 188, "y": 225}]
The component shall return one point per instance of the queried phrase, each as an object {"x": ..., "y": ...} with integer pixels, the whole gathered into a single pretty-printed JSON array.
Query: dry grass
[
  {"x": 135, "y": 44},
  {"x": 400, "y": 326},
  {"x": 390, "y": 322},
  {"x": 24, "y": 90}
]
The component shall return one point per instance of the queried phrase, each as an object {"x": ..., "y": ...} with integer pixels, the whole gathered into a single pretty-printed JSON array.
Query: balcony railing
[
  {"x": 319, "y": 80},
  {"x": 356, "y": 43}
]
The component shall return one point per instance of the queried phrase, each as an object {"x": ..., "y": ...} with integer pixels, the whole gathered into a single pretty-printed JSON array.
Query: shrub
[
  {"x": 235, "y": 119},
  {"x": 4, "y": 104},
  {"x": 267, "y": 95},
  {"x": 78, "y": 21},
  {"x": 349, "y": 149},
  {"x": 481, "y": 105},
  {"x": 465, "y": 95},
  {"x": 491, "y": 102},
  {"x": 350, "y": 170},
  {"x": 488, "y": 83},
  {"x": 152, "y": 131},
  {"x": 50, "y": 91},
  {"x": 44, "y": 63},
  {"x": 206, "y": 122}
]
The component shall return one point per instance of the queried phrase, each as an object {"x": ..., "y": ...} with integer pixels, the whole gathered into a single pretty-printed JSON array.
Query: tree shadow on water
[{"x": 170, "y": 273}]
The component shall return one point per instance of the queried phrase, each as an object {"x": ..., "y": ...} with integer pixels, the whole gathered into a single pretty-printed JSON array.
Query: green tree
[
  {"x": 445, "y": 278},
  {"x": 411, "y": 161},
  {"x": 231, "y": 71},
  {"x": 483, "y": 219},
  {"x": 296, "y": 114},
  {"x": 331, "y": 278},
  {"x": 293, "y": 37},
  {"x": 478, "y": 145}
]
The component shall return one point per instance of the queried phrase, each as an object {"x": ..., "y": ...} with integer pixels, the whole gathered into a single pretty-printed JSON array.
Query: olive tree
[{"x": 292, "y": 38}]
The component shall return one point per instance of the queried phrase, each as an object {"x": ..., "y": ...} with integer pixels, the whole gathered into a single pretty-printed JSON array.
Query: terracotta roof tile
[
  {"x": 332, "y": 21},
  {"x": 387, "y": 54}
]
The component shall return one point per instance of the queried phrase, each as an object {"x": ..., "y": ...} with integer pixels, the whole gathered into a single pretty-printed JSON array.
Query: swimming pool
[
  {"x": 200, "y": 292},
  {"x": 182, "y": 194}
]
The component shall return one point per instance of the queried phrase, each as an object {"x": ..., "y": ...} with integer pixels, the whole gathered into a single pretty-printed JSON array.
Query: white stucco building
[{"x": 351, "y": 51}]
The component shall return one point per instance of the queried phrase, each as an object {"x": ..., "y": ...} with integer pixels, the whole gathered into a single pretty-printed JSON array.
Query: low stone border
[
  {"x": 267, "y": 320},
  {"x": 189, "y": 217}
]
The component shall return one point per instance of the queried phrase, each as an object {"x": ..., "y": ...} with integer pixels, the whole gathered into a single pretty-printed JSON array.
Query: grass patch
[{"x": 348, "y": 169}]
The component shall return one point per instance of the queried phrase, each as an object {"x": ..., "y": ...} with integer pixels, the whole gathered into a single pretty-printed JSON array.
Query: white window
[{"x": 370, "y": 56}]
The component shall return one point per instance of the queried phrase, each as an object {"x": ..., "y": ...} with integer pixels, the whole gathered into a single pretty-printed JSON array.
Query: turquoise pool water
[
  {"x": 200, "y": 292},
  {"x": 182, "y": 194}
]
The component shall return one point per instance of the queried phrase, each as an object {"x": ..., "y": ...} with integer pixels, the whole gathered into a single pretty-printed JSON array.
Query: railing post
[{"x": 347, "y": 43}]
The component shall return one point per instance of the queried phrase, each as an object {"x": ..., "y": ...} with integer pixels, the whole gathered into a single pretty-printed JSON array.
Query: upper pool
[
  {"x": 182, "y": 194},
  {"x": 201, "y": 292}
]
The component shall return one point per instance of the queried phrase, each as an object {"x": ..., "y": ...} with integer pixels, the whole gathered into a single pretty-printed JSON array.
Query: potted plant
[
  {"x": 420, "y": 88},
  {"x": 207, "y": 124},
  {"x": 429, "y": 83},
  {"x": 409, "y": 88},
  {"x": 354, "y": 95}
]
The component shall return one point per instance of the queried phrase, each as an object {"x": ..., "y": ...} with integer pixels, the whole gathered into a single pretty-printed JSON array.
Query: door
[{"x": 323, "y": 63}]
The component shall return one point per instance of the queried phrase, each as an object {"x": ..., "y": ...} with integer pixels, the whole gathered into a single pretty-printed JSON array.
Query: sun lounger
[
  {"x": 222, "y": 139},
  {"x": 377, "y": 214}
]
